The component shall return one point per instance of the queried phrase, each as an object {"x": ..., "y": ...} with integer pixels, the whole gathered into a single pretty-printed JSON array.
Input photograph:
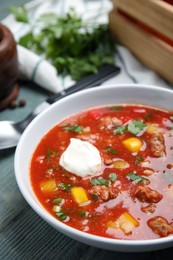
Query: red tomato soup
[{"x": 131, "y": 196}]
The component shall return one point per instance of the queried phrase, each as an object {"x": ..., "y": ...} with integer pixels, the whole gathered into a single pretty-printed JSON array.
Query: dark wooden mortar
[{"x": 8, "y": 67}]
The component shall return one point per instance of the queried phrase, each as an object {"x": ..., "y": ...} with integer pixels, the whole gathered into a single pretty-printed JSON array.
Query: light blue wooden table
[{"x": 23, "y": 234}]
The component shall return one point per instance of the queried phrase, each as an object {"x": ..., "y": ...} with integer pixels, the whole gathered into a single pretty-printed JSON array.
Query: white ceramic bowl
[{"x": 149, "y": 95}]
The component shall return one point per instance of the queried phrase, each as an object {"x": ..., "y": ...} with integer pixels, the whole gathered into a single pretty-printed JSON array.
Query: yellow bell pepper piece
[
  {"x": 120, "y": 164},
  {"x": 151, "y": 128},
  {"x": 133, "y": 144},
  {"x": 126, "y": 222},
  {"x": 48, "y": 186},
  {"x": 79, "y": 195},
  {"x": 111, "y": 224}
]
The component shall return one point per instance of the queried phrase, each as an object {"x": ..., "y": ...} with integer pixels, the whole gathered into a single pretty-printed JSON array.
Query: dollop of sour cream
[{"x": 81, "y": 158}]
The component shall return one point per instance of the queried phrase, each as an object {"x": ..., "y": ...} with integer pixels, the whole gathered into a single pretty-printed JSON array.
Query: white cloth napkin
[{"x": 34, "y": 67}]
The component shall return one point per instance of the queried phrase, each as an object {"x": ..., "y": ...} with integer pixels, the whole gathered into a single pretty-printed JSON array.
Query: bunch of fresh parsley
[{"x": 74, "y": 47}]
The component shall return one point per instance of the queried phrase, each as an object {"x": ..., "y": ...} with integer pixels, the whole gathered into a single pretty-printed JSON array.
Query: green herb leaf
[
  {"x": 51, "y": 153},
  {"x": 112, "y": 177},
  {"x": 75, "y": 47},
  {"x": 20, "y": 13},
  {"x": 120, "y": 129},
  {"x": 57, "y": 201},
  {"x": 64, "y": 186},
  {"x": 111, "y": 150},
  {"x": 134, "y": 177},
  {"x": 95, "y": 196},
  {"x": 138, "y": 159},
  {"x": 73, "y": 128},
  {"x": 27, "y": 40},
  {"x": 82, "y": 213},
  {"x": 136, "y": 126},
  {"x": 61, "y": 215},
  {"x": 99, "y": 181}
]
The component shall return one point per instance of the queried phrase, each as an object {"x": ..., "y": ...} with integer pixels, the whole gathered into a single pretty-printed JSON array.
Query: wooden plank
[
  {"x": 153, "y": 52},
  {"x": 156, "y": 14}
]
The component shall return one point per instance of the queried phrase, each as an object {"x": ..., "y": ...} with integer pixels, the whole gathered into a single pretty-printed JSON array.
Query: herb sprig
[
  {"x": 61, "y": 215},
  {"x": 112, "y": 177},
  {"x": 65, "y": 186},
  {"x": 134, "y": 177},
  {"x": 111, "y": 150},
  {"x": 134, "y": 127},
  {"x": 99, "y": 181},
  {"x": 73, "y": 128},
  {"x": 74, "y": 47}
]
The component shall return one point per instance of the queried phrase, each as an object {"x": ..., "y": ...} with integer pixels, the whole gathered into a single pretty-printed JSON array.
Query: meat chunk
[
  {"x": 109, "y": 122},
  {"x": 157, "y": 145},
  {"x": 145, "y": 194},
  {"x": 104, "y": 193},
  {"x": 149, "y": 208},
  {"x": 108, "y": 161},
  {"x": 91, "y": 138},
  {"x": 160, "y": 226}
]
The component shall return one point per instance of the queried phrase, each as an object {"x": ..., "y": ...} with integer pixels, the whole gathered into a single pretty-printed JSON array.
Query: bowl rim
[{"x": 60, "y": 226}]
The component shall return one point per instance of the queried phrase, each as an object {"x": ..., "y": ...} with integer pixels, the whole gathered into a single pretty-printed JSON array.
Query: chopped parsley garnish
[
  {"x": 82, "y": 213},
  {"x": 136, "y": 126},
  {"x": 99, "y": 181},
  {"x": 138, "y": 159},
  {"x": 112, "y": 177},
  {"x": 148, "y": 116},
  {"x": 64, "y": 186},
  {"x": 134, "y": 177},
  {"x": 61, "y": 215},
  {"x": 57, "y": 201},
  {"x": 95, "y": 196},
  {"x": 120, "y": 129},
  {"x": 51, "y": 153},
  {"x": 73, "y": 128},
  {"x": 111, "y": 150}
]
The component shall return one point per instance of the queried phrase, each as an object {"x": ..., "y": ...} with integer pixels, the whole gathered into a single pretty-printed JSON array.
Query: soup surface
[{"x": 130, "y": 196}]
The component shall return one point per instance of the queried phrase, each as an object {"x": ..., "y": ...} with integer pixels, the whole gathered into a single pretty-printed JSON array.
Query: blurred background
[{"x": 4, "y": 6}]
